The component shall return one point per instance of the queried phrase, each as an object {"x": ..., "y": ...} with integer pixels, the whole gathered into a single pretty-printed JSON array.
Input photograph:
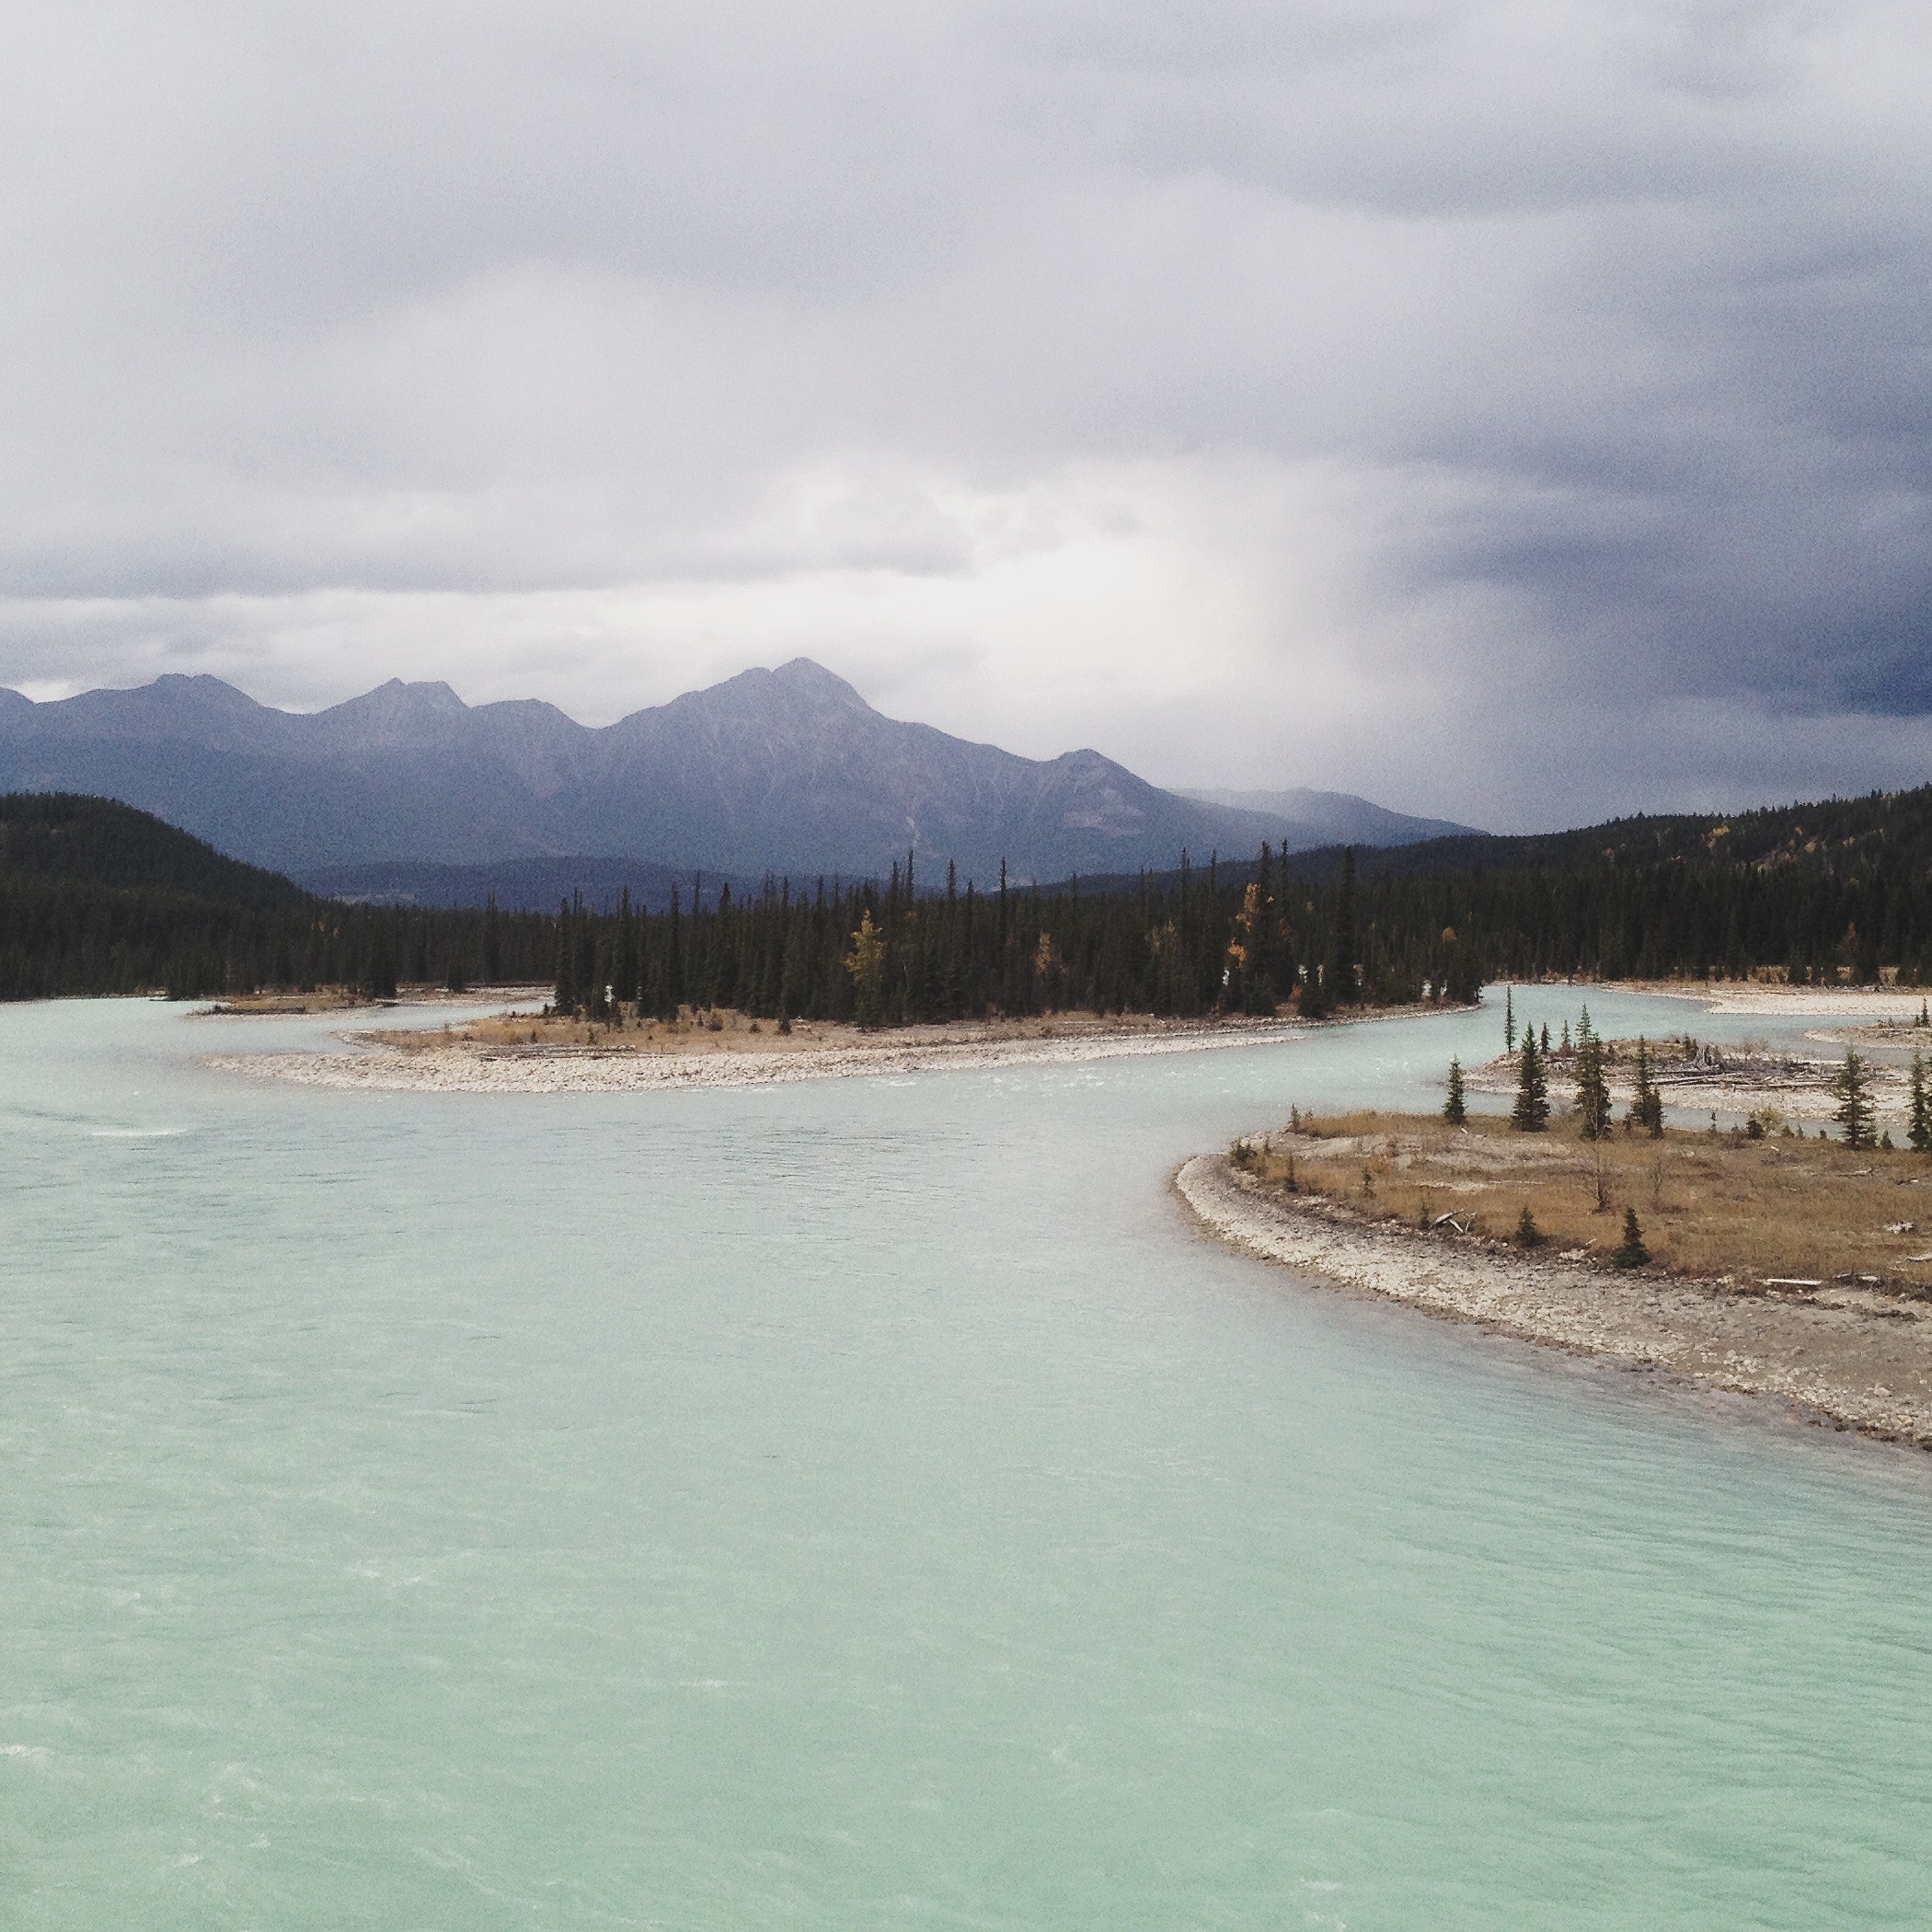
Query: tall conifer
[
  {"x": 1854, "y": 1112},
  {"x": 1646, "y": 1103},
  {"x": 1592, "y": 1089},
  {"x": 1531, "y": 1112},
  {"x": 565, "y": 1000},
  {"x": 1343, "y": 988}
]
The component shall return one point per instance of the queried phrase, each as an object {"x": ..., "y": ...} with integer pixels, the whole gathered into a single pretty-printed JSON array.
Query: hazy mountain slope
[
  {"x": 534, "y": 885},
  {"x": 1335, "y": 818},
  {"x": 788, "y": 770}
]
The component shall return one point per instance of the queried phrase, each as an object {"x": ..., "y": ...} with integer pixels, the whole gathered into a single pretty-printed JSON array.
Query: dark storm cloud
[{"x": 1370, "y": 359}]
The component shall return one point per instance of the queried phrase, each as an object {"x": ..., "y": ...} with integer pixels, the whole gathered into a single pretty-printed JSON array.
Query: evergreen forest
[{"x": 98, "y": 898}]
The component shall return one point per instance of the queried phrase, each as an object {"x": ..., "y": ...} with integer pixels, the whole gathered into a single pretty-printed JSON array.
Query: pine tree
[
  {"x": 1854, "y": 1112},
  {"x": 565, "y": 1001},
  {"x": 1592, "y": 1089},
  {"x": 1528, "y": 1234},
  {"x": 492, "y": 962},
  {"x": 1341, "y": 956},
  {"x": 1315, "y": 1003},
  {"x": 1646, "y": 1103},
  {"x": 1633, "y": 1253},
  {"x": 1920, "y": 1136},
  {"x": 1454, "y": 1109},
  {"x": 1531, "y": 1112},
  {"x": 1509, "y": 1019}
]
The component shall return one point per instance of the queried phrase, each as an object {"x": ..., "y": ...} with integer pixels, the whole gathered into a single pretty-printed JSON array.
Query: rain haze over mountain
[{"x": 1513, "y": 413}]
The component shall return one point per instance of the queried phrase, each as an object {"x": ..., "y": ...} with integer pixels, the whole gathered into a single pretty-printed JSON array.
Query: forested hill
[
  {"x": 1842, "y": 885},
  {"x": 1891, "y": 830},
  {"x": 98, "y": 898},
  {"x": 1844, "y": 836},
  {"x": 60, "y": 838}
]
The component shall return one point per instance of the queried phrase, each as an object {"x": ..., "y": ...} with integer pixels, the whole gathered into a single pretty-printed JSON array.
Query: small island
[
  {"x": 627, "y": 1050},
  {"x": 1767, "y": 1263}
]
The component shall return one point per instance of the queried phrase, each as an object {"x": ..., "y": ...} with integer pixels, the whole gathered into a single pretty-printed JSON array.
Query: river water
[{"x": 866, "y": 1503}]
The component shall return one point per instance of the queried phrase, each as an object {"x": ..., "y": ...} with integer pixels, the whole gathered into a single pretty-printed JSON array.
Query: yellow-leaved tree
[{"x": 866, "y": 964}]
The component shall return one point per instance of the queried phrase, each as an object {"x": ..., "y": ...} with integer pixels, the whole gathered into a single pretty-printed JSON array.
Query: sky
[{"x": 1519, "y": 413}]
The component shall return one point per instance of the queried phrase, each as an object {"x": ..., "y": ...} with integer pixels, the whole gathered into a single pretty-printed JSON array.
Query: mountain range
[{"x": 407, "y": 791}]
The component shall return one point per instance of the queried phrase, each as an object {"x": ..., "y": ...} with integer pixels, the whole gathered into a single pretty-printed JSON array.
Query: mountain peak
[
  {"x": 799, "y": 680},
  {"x": 806, "y": 675},
  {"x": 395, "y": 712}
]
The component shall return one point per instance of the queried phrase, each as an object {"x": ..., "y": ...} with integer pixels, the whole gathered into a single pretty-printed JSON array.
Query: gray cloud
[{"x": 1450, "y": 401}]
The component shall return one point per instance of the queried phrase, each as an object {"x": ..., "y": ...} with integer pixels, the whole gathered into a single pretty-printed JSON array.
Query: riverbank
[
  {"x": 1745, "y": 1079},
  {"x": 525, "y": 1055},
  {"x": 1855, "y": 1355},
  {"x": 1765, "y": 1000}
]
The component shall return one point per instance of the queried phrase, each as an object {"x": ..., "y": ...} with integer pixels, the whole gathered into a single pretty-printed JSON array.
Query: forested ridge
[{"x": 98, "y": 898}]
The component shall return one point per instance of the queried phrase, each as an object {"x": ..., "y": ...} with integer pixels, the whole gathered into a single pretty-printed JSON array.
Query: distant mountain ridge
[
  {"x": 1335, "y": 818},
  {"x": 786, "y": 770}
]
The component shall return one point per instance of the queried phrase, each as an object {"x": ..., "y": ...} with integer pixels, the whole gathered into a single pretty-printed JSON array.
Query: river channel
[{"x": 868, "y": 1503}]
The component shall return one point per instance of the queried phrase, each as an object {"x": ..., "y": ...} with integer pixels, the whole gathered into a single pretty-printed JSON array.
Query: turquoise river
[{"x": 867, "y": 1503}]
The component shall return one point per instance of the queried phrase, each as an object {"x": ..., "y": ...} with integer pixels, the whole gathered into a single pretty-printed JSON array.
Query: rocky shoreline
[{"x": 1856, "y": 1361}]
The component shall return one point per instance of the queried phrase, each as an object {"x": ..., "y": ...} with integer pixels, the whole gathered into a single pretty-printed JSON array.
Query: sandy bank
[
  {"x": 465, "y": 1067},
  {"x": 1794, "y": 1002},
  {"x": 1860, "y": 1361}
]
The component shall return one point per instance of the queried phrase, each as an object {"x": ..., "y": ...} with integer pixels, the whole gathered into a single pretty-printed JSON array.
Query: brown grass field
[{"x": 1722, "y": 1206}]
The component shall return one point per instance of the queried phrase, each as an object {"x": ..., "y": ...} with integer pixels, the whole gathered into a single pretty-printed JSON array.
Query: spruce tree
[
  {"x": 492, "y": 962},
  {"x": 1455, "y": 1111},
  {"x": 1341, "y": 980},
  {"x": 1509, "y": 1019},
  {"x": 565, "y": 1002},
  {"x": 1854, "y": 1112},
  {"x": 1919, "y": 1137},
  {"x": 1315, "y": 1003},
  {"x": 1592, "y": 1089},
  {"x": 1531, "y": 1112},
  {"x": 1646, "y": 1103},
  {"x": 1633, "y": 1253}
]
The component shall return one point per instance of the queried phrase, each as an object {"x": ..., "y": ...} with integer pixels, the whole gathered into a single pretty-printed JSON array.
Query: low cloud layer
[{"x": 1518, "y": 412}]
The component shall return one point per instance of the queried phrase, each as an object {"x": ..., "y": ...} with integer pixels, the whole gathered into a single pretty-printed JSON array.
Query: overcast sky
[{"x": 1519, "y": 412}]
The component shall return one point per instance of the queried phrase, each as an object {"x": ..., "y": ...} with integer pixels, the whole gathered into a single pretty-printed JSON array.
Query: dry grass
[
  {"x": 723, "y": 1029},
  {"x": 1710, "y": 1205},
  {"x": 625, "y": 1031},
  {"x": 324, "y": 999}
]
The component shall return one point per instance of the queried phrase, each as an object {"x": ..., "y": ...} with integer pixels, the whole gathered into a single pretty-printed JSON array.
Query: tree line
[{"x": 96, "y": 898}]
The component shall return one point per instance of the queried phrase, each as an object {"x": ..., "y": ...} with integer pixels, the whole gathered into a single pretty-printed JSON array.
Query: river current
[{"x": 868, "y": 1503}]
